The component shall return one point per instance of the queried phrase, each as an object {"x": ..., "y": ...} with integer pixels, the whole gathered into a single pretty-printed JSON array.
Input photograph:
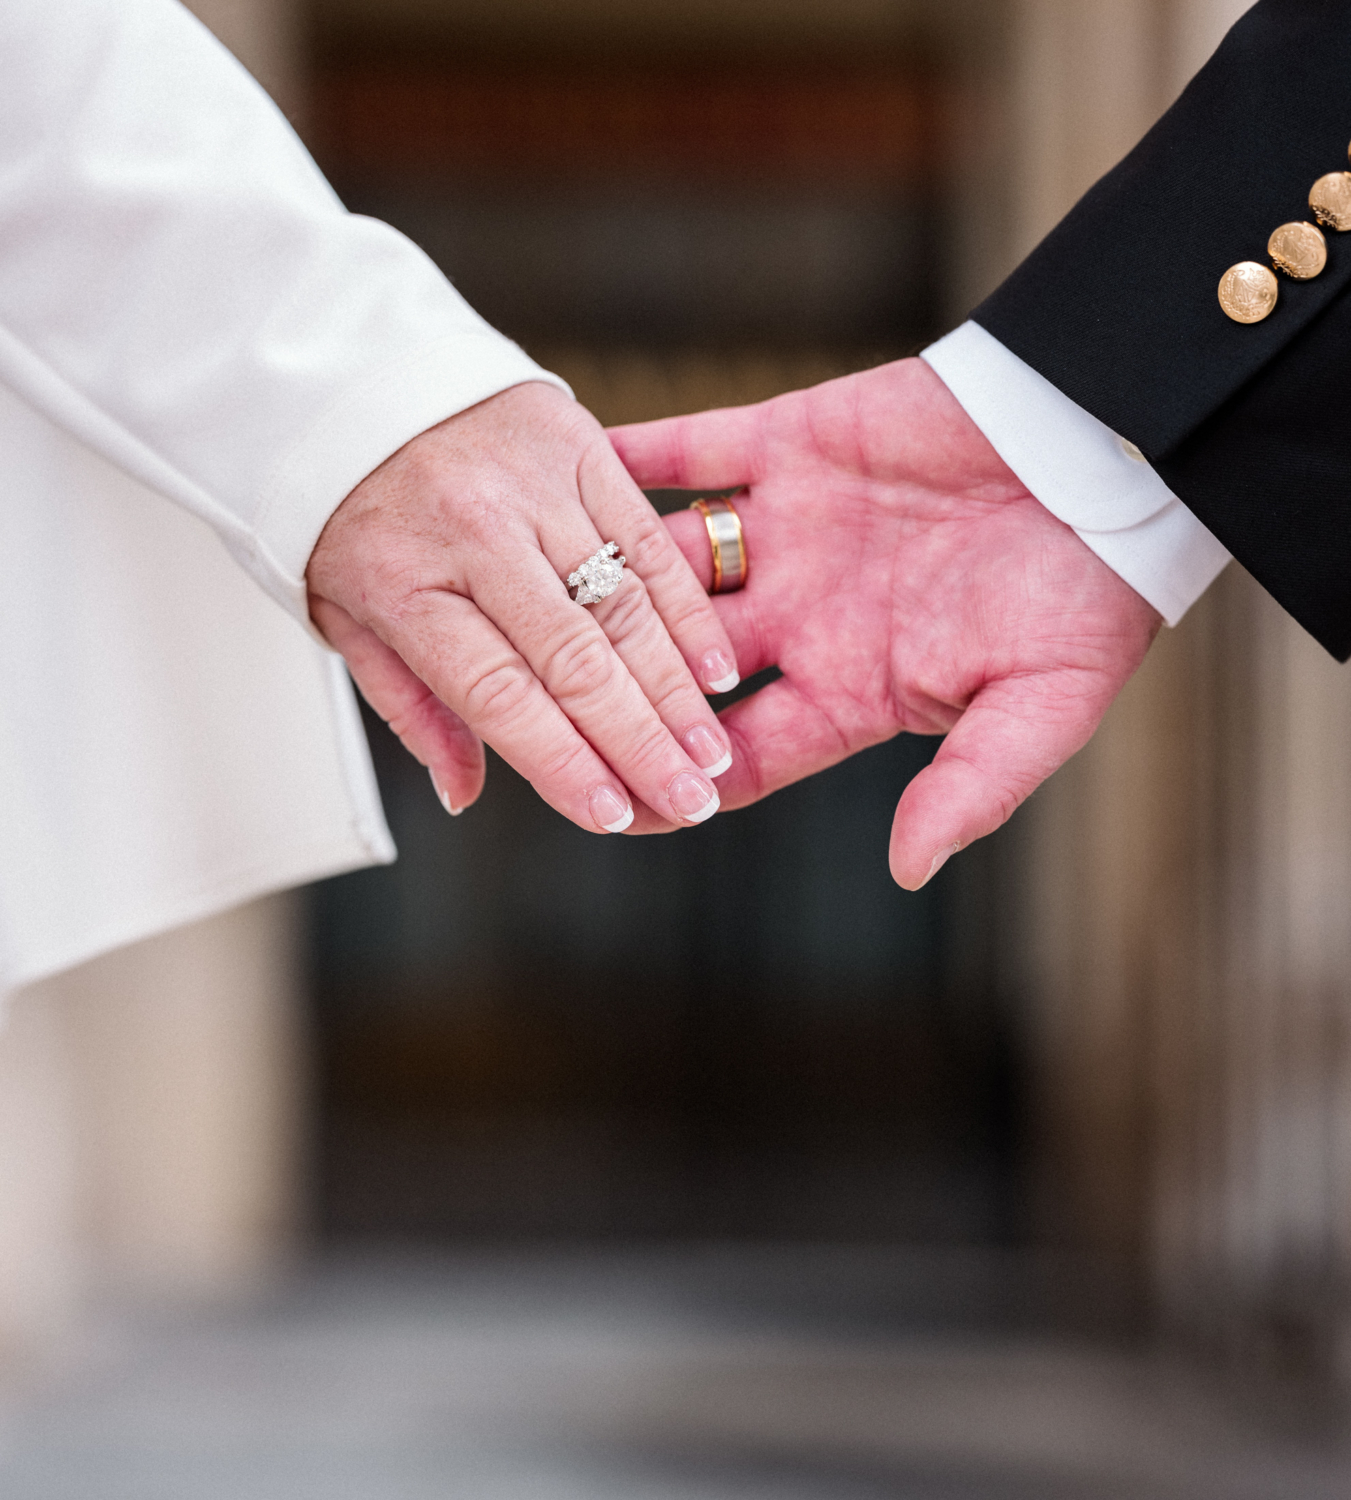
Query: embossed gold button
[
  {"x": 1299, "y": 250},
  {"x": 1248, "y": 292},
  {"x": 1331, "y": 201}
]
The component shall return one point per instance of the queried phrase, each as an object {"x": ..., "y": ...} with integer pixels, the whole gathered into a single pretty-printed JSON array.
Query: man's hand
[
  {"x": 440, "y": 579},
  {"x": 902, "y": 579}
]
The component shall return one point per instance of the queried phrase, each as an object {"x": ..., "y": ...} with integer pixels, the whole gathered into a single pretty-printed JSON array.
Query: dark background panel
[
  {"x": 740, "y": 1031},
  {"x": 743, "y": 1030}
]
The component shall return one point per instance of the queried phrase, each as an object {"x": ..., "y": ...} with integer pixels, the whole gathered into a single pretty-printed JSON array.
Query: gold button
[
  {"x": 1248, "y": 292},
  {"x": 1299, "y": 250},
  {"x": 1331, "y": 201}
]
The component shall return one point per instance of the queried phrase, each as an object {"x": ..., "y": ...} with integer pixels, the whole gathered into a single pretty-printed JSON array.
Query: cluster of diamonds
[{"x": 599, "y": 576}]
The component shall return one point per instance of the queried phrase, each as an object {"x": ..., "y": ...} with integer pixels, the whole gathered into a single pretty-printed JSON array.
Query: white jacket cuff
[
  {"x": 1086, "y": 475},
  {"x": 355, "y": 436},
  {"x": 182, "y": 291}
]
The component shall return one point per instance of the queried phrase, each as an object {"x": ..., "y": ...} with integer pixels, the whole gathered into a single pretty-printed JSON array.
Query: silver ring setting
[{"x": 599, "y": 576}]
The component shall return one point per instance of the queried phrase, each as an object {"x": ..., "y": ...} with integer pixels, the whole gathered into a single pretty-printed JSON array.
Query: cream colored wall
[
  {"x": 1089, "y": 77},
  {"x": 1188, "y": 926},
  {"x": 41, "y": 1260},
  {"x": 151, "y": 1124},
  {"x": 189, "y": 1101}
]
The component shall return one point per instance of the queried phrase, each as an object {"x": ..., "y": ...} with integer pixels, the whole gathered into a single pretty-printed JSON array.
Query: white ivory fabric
[
  {"x": 1084, "y": 473},
  {"x": 198, "y": 345}
]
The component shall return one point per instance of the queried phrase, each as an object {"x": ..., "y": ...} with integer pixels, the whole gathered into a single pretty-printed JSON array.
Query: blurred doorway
[{"x": 747, "y": 1030}]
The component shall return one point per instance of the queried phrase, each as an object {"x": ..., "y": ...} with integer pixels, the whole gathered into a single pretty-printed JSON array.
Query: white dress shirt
[
  {"x": 187, "y": 315},
  {"x": 1086, "y": 475}
]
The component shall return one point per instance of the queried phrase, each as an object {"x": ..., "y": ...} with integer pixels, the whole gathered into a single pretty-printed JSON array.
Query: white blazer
[{"x": 198, "y": 345}]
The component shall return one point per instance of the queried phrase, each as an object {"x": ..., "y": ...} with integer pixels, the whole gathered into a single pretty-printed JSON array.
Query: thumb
[
  {"x": 1015, "y": 732},
  {"x": 430, "y": 731}
]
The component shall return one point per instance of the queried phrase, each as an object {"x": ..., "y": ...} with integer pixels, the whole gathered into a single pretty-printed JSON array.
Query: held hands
[
  {"x": 902, "y": 579},
  {"x": 440, "y": 580}
]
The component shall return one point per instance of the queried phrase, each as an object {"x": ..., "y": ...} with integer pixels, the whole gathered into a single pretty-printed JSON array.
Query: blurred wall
[
  {"x": 151, "y": 1108},
  {"x": 1187, "y": 968},
  {"x": 678, "y": 206}
]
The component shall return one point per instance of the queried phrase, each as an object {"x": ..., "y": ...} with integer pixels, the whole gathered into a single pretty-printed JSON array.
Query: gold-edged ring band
[{"x": 728, "y": 541}]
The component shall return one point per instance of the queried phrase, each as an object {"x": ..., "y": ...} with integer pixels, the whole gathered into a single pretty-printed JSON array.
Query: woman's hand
[
  {"x": 441, "y": 580},
  {"x": 902, "y": 579}
]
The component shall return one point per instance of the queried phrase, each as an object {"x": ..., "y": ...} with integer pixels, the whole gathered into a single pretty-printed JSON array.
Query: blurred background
[{"x": 519, "y": 1169}]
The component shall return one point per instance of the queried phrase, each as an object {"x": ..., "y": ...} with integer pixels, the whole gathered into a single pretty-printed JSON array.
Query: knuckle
[
  {"x": 644, "y": 750},
  {"x": 686, "y": 615},
  {"x": 629, "y": 610},
  {"x": 650, "y": 549},
  {"x": 1006, "y": 802},
  {"x": 646, "y": 754},
  {"x": 675, "y": 698},
  {"x": 499, "y": 694},
  {"x": 595, "y": 455},
  {"x": 582, "y": 667},
  {"x": 410, "y": 717},
  {"x": 387, "y": 582},
  {"x": 570, "y": 763}
]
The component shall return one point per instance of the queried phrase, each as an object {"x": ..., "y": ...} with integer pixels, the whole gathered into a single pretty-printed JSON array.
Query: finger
[
  {"x": 778, "y": 735},
  {"x": 1013, "y": 735},
  {"x": 568, "y": 651},
  {"x": 649, "y": 644},
  {"x": 639, "y": 638},
  {"x": 741, "y": 617},
  {"x": 687, "y": 531},
  {"x": 620, "y": 510},
  {"x": 711, "y": 450},
  {"x": 449, "y": 645},
  {"x": 432, "y": 733}
]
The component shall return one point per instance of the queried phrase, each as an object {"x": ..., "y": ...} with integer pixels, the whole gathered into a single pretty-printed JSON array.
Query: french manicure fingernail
[
  {"x": 939, "y": 860},
  {"x": 720, "y": 674},
  {"x": 706, "y": 750},
  {"x": 611, "y": 811},
  {"x": 442, "y": 798},
  {"x": 692, "y": 797}
]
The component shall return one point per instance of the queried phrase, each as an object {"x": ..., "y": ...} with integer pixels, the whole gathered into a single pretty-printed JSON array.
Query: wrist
[{"x": 1086, "y": 475}]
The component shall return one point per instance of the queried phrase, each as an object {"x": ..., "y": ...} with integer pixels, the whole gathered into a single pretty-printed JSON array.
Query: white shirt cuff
[{"x": 1086, "y": 475}]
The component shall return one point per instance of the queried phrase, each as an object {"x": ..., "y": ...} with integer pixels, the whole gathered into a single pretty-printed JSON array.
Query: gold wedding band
[{"x": 728, "y": 541}]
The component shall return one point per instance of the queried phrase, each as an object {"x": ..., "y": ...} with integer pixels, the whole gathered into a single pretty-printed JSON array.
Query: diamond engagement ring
[{"x": 599, "y": 576}]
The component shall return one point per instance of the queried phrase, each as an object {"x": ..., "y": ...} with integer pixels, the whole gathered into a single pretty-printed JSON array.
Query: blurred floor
[{"x": 661, "y": 1376}]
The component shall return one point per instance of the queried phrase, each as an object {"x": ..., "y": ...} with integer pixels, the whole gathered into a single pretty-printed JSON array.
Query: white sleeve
[
  {"x": 1097, "y": 482},
  {"x": 182, "y": 291}
]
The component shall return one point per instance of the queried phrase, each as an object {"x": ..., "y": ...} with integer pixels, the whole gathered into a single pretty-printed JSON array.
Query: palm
[{"x": 902, "y": 579}]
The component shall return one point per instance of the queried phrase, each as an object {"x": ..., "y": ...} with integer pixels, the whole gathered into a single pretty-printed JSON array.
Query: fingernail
[
  {"x": 611, "y": 811},
  {"x": 442, "y": 798},
  {"x": 719, "y": 673},
  {"x": 692, "y": 797},
  {"x": 939, "y": 860},
  {"x": 706, "y": 750}
]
